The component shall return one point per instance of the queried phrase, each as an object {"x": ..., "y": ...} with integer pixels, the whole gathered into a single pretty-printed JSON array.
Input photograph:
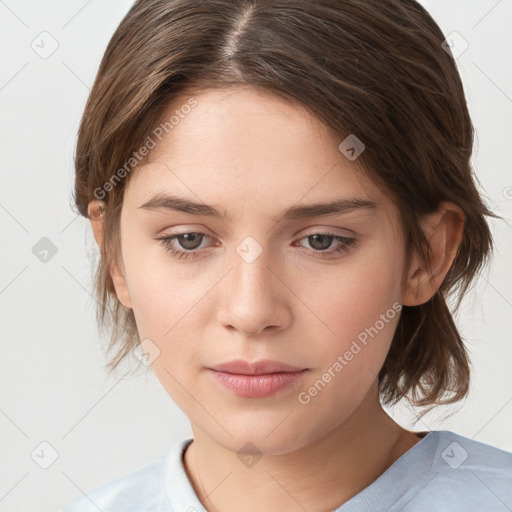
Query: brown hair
[{"x": 373, "y": 68}]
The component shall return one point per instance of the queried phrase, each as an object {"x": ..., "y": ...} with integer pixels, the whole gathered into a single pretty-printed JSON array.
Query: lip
[
  {"x": 258, "y": 379},
  {"x": 263, "y": 366}
]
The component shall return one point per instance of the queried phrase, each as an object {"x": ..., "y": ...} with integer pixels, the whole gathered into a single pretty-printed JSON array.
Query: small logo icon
[
  {"x": 44, "y": 250},
  {"x": 352, "y": 147},
  {"x": 146, "y": 352},
  {"x": 455, "y": 45},
  {"x": 44, "y": 455},
  {"x": 454, "y": 455},
  {"x": 249, "y": 455},
  {"x": 45, "y": 45},
  {"x": 249, "y": 249}
]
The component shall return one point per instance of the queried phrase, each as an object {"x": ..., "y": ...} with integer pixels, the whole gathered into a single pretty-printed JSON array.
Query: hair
[{"x": 374, "y": 68}]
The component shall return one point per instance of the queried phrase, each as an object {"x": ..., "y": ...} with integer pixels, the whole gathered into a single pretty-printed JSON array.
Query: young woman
[{"x": 282, "y": 194}]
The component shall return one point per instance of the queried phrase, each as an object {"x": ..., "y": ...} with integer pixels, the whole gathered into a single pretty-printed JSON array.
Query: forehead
[
  {"x": 237, "y": 122},
  {"x": 249, "y": 151}
]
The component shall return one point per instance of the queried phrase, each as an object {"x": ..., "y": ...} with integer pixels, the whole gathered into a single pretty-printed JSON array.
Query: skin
[{"x": 254, "y": 155}]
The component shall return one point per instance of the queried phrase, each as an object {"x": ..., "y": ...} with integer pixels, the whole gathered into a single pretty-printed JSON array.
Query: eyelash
[{"x": 167, "y": 242}]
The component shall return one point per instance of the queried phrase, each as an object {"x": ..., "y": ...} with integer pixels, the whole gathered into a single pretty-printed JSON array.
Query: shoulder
[
  {"x": 139, "y": 491},
  {"x": 464, "y": 475},
  {"x": 135, "y": 491},
  {"x": 459, "y": 452}
]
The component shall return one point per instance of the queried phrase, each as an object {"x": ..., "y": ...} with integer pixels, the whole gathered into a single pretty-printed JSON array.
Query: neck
[{"x": 320, "y": 476}]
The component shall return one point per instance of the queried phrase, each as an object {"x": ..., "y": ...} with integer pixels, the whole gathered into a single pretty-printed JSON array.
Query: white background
[{"x": 53, "y": 385}]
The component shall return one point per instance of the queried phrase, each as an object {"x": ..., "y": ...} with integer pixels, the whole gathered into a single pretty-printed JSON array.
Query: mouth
[
  {"x": 258, "y": 379},
  {"x": 261, "y": 367}
]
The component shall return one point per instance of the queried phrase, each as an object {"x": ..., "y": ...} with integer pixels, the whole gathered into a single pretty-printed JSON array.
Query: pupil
[
  {"x": 324, "y": 238},
  {"x": 189, "y": 242}
]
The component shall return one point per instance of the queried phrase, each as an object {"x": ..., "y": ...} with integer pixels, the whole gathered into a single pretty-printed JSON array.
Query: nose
[{"x": 255, "y": 297}]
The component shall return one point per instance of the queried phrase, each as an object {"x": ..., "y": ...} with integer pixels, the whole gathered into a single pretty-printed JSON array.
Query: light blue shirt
[{"x": 443, "y": 472}]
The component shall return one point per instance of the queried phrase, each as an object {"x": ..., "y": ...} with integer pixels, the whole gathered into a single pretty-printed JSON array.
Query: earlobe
[
  {"x": 443, "y": 231},
  {"x": 120, "y": 286},
  {"x": 95, "y": 211}
]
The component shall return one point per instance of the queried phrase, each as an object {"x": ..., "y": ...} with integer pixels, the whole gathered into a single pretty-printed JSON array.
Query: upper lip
[{"x": 262, "y": 366}]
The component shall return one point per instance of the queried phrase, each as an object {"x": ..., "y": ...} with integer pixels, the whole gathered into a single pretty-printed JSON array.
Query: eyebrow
[{"x": 338, "y": 206}]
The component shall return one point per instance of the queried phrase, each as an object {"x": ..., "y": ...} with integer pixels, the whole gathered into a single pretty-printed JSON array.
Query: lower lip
[{"x": 256, "y": 386}]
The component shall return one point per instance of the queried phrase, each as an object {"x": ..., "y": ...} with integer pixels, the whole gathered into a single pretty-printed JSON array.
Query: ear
[
  {"x": 95, "y": 211},
  {"x": 443, "y": 231}
]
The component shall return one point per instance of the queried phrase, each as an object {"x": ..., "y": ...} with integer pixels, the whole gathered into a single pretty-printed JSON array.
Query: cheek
[
  {"x": 169, "y": 311},
  {"x": 360, "y": 314},
  {"x": 358, "y": 292},
  {"x": 359, "y": 308},
  {"x": 159, "y": 295},
  {"x": 170, "y": 303},
  {"x": 337, "y": 307},
  {"x": 340, "y": 301}
]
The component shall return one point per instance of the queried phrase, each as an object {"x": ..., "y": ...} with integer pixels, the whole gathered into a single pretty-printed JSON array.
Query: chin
[{"x": 266, "y": 438}]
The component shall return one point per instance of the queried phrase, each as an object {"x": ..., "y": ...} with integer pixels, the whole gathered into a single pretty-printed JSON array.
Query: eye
[
  {"x": 320, "y": 242},
  {"x": 190, "y": 243}
]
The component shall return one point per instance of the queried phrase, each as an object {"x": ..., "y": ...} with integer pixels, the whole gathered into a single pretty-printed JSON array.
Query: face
[{"x": 315, "y": 290}]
